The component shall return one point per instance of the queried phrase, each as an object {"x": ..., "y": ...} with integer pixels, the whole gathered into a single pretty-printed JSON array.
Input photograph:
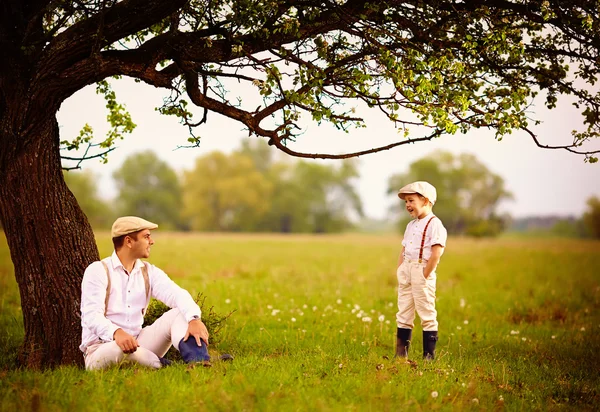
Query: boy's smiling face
[{"x": 416, "y": 205}]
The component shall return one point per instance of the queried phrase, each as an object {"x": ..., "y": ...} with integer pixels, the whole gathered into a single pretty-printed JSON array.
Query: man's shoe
[
  {"x": 191, "y": 352},
  {"x": 164, "y": 362}
]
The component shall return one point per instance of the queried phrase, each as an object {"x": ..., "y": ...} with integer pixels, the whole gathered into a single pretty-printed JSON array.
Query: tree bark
[{"x": 50, "y": 240}]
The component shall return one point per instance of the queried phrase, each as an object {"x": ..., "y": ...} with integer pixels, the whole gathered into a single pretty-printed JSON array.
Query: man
[{"x": 115, "y": 293}]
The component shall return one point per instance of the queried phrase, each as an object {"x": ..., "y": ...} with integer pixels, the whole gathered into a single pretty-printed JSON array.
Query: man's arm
[
  {"x": 93, "y": 301},
  {"x": 436, "y": 254},
  {"x": 168, "y": 292}
]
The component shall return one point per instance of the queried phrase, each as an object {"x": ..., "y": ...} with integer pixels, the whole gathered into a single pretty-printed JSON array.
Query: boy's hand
[{"x": 125, "y": 341}]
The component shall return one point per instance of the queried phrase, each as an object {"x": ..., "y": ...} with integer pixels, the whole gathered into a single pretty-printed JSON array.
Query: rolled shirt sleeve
[{"x": 439, "y": 234}]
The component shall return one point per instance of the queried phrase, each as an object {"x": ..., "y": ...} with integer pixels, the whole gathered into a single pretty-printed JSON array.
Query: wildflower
[
  {"x": 390, "y": 304},
  {"x": 339, "y": 302},
  {"x": 364, "y": 343},
  {"x": 434, "y": 394},
  {"x": 501, "y": 398},
  {"x": 553, "y": 337},
  {"x": 458, "y": 327},
  {"x": 341, "y": 365},
  {"x": 293, "y": 319},
  {"x": 227, "y": 300},
  {"x": 462, "y": 303},
  {"x": 582, "y": 329},
  {"x": 387, "y": 322},
  {"x": 466, "y": 322},
  {"x": 381, "y": 318},
  {"x": 275, "y": 312},
  {"x": 304, "y": 306},
  {"x": 303, "y": 330},
  {"x": 523, "y": 339},
  {"x": 475, "y": 401},
  {"x": 514, "y": 332},
  {"x": 341, "y": 331},
  {"x": 269, "y": 306},
  {"x": 314, "y": 308},
  {"x": 367, "y": 319},
  {"x": 357, "y": 307}
]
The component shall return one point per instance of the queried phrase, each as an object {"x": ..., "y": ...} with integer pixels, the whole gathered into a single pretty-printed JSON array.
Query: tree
[
  {"x": 149, "y": 187},
  {"x": 591, "y": 217},
  {"x": 225, "y": 193},
  {"x": 84, "y": 187},
  {"x": 468, "y": 193},
  {"x": 445, "y": 65}
]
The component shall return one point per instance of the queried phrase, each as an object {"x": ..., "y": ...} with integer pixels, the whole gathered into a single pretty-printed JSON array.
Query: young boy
[{"x": 423, "y": 244}]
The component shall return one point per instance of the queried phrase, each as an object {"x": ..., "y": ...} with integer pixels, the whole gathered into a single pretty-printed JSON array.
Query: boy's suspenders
[
  {"x": 146, "y": 282},
  {"x": 423, "y": 239}
]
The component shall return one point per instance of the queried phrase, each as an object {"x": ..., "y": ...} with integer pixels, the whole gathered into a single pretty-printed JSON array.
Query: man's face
[
  {"x": 416, "y": 205},
  {"x": 140, "y": 247}
]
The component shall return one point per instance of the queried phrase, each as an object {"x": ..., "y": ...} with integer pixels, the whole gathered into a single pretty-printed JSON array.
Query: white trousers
[
  {"x": 416, "y": 292},
  {"x": 154, "y": 340}
]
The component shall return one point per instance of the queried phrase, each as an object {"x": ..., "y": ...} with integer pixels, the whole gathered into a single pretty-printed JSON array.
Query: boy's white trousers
[
  {"x": 154, "y": 340},
  {"x": 416, "y": 293}
]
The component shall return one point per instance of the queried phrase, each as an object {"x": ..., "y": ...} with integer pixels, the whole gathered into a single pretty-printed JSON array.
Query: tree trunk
[{"x": 50, "y": 240}]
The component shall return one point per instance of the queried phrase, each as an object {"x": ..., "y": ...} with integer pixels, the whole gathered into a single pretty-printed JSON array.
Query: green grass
[{"x": 519, "y": 324}]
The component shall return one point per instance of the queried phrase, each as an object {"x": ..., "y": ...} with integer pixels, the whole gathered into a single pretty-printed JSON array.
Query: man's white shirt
[
  {"x": 127, "y": 302},
  {"x": 436, "y": 235}
]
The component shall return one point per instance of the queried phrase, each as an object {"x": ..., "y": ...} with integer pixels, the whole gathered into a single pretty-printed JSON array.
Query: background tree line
[{"x": 250, "y": 190}]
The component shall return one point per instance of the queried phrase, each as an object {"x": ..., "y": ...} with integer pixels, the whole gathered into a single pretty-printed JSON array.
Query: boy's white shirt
[
  {"x": 127, "y": 304},
  {"x": 436, "y": 235}
]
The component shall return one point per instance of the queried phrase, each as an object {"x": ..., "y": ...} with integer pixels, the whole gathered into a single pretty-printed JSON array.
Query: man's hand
[
  {"x": 125, "y": 341},
  {"x": 197, "y": 329}
]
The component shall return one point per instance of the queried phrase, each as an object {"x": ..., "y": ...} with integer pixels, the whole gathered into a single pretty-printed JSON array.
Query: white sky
[{"x": 543, "y": 182}]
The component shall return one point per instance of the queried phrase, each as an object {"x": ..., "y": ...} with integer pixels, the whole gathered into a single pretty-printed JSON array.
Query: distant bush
[{"x": 213, "y": 321}]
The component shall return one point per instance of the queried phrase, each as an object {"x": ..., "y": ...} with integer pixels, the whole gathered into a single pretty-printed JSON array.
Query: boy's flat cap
[
  {"x": 129, "y": 224},
  {"x": 423, "y": 188}
]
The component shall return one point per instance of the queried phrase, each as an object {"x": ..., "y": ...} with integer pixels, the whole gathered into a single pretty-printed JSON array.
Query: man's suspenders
[{"x": 146, "y": 282}]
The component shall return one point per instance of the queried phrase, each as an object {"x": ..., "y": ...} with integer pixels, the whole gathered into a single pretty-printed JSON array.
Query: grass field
[{"x": 314, "y": 329}]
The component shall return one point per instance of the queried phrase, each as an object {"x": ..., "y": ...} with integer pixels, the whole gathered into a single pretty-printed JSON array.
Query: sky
[{"x": 543, "y": 182}]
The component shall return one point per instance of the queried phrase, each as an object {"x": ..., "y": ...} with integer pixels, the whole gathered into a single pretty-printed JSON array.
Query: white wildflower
[
  {"x": 367, "y": 319},
  {"x": 339, "y": 302},
  {"x": 475, "y": 401},
  {"x": 227, "y": 300},
  {"x": 553, "y": 337},
  {"x": 458, "y": 327},
  {"x": 466, "y": 322},
  {"x": 462, "y": 303},
  {"x": 434, "y": 394},
  {"x": 274, "y": 312},
  {"x": 293, "y": 319},
  {"x": 381, "y": 318},
  {"x": 514, "y": 332}
]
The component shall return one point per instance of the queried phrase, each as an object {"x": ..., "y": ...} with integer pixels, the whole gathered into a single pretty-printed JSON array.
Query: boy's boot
[
  {"x": 191, "y": 352},
  {"x": 429, "y": 340},
  {"x": 403, "y": 337}
]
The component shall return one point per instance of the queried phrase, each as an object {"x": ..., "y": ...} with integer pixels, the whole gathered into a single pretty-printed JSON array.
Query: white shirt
[
  {"x": 436, "y": 235},
  {"x": 127, "y": 302}
]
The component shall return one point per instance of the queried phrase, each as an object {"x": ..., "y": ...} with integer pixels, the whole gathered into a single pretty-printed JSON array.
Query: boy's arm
[
  {"x": 401, "y": 257},
  {"x": 436, "y": 254}
]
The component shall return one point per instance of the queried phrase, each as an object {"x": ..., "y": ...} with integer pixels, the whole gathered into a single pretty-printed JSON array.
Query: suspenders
[
  {"x": 146, "y": 282},
  {"x": 423, "y": 239}
]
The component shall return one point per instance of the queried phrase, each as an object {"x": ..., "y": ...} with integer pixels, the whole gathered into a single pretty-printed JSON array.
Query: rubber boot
[
  {"x": 403, "y": 337},
  {"x": 430, "y": 338},
  {"x": 192, "y": 353}
]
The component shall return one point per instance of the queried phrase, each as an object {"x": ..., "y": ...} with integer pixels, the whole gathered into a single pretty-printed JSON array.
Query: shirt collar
[
  {"x": 116, "y": 262},
  {"x": 425, "y": 217}
]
